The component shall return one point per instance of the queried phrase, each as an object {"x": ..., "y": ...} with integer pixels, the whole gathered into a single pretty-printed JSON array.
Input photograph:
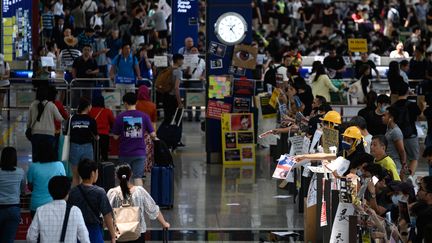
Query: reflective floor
[{"x": 211, "y": 202}]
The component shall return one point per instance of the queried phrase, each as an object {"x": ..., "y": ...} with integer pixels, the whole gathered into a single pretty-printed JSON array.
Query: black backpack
[
  {"x": 404, "y": 121},
  {"x": 270, "y": 76},
  {"x": 162, "y": 154}
]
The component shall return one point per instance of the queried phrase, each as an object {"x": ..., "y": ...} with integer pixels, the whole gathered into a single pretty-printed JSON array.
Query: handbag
[
  {"x": 66, "y": 143},
  {"x": 127, "y": 221}
]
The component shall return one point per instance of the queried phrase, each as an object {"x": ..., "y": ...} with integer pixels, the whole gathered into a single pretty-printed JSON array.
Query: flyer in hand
[{"x": 284, "y": 166}]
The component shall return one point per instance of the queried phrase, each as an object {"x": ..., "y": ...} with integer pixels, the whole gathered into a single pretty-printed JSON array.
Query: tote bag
[
  {"x": 66, "y": 143},
  {"x": 127, "y": 221}
]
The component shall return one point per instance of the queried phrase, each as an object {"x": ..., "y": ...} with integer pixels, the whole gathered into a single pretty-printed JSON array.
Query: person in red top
[
  {"x": 104, "y": 119},
  {"x": 145, "y": 105},
  {"x": 52, "y": 96}
]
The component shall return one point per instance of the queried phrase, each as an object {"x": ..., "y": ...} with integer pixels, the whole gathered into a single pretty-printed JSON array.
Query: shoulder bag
[
  {"x": 65, "y": 222},
  {"x": 66, "y": 143},
  {"x": 127, "y": 220}
]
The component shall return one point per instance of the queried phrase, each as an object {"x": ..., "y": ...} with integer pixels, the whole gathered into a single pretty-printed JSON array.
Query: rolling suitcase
[
  {"x": 106, "y": 170},
  {"x": 171, "y": 133},
  {"x": 162, "y": 186}
]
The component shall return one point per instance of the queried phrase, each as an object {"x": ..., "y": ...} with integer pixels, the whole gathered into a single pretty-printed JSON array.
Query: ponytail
[{"x": 123, "y": 174}]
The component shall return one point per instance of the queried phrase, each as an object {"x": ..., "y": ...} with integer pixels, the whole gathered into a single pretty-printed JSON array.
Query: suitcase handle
[{"x": 165, "y": 235}]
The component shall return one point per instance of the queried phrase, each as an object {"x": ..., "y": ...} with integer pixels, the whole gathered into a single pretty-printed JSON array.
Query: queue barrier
[{"x": 22, "y": 90}]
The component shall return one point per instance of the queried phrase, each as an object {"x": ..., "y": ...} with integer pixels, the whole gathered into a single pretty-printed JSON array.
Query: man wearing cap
[{"x": 68, "y": 55}]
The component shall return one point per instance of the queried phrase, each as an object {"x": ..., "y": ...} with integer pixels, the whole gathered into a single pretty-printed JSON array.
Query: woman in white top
[
  {"x": 138, "y": 197},
  {"x": 399, "y": 52},
  {"x": 42, "y": 114},
  {"x": 4, "y": 82}
]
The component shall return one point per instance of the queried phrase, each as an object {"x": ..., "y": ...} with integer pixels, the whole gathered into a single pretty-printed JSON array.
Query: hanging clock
[{"x": 230, "y": 28}]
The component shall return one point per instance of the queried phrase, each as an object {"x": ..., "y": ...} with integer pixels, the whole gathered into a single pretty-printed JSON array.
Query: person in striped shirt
[
  {"x": 68, "y": 55},
  {"x": 47, "y": 21}
]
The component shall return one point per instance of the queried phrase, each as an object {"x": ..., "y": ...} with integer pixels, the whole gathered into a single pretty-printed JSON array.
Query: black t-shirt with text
[{"x": 83, "y": 129}]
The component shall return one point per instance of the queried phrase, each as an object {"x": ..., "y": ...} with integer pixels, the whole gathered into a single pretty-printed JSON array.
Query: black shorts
[{"x": 163, "y": 34}]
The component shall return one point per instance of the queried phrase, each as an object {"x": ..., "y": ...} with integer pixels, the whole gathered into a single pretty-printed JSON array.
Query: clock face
[{"x": 230, "y": 28}]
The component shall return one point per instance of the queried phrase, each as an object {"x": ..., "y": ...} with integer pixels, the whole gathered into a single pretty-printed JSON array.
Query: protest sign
[
  {"x": 330, "y": 138},
  {"x": 340, "y": 230},
  {"x": 284, "y": 166}
]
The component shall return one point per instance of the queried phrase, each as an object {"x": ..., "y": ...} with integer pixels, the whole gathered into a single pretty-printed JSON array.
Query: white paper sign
[
  {"x": 297, "y": 144},
  {"x": 340, "y": 230},
  {"x": 190, "y": 61},
  {"x": 160, "y": 61},
  {"x": 47, "y": 62},
  {"x": 312, "y": 192},
  {"x": 340, "y": 165},
  {"x": 284, "y": 166},
  {"x": 315, "y": 139},
  {"x": 112, "y": 98}
]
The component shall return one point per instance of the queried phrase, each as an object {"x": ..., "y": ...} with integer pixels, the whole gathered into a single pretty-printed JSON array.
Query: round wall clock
[{"x": 230, "y": 28}]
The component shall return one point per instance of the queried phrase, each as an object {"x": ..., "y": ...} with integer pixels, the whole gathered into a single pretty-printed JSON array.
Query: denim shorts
[
  {"x": 79, "y": 152},
  {"x": 137, "y": 164}
]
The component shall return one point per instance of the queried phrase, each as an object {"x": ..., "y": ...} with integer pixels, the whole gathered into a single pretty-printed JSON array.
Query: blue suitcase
[{"x": 162, "y": 186}]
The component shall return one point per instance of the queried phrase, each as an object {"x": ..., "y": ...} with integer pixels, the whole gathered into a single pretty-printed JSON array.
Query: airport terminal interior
[{"x": 286, "y": 120}]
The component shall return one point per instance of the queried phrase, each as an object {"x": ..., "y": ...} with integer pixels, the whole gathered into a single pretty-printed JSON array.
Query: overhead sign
[{"x": 357, "y": 45}]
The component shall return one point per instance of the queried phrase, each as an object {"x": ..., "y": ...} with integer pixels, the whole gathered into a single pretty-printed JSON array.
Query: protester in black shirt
[
  {"x": 374, "y": 118},
  {"x": 395, "y": 80},
  {"x": 423, "y": 209},
  {"x": 417, "y": 65},
  {"x": 334, "y": 64},
  {"x": 83, "y": 131},
  {"x": 371, "y": 99},
  {"x": 84, "y": 67},
  {"x": 364, "y": 59}
]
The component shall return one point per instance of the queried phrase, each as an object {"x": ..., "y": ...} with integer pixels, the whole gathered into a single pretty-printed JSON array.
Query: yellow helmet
[
  {"x": 332, "y": 116},
  {"x": 353, "y": 132}
]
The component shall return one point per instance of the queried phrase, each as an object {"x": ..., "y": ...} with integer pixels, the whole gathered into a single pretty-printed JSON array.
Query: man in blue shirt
[{"x": 125, "y": 70}]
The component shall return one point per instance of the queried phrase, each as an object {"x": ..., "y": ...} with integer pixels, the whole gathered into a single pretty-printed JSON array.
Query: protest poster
[
  {"x": 239, "y": 71},
  {"x": 274, "y": 98},
  {"x": 357, "y": 45},
  {"x": 245, "y": 56},
  {"x": 191, "y": 61},
  {"x": 330, "y": 138},
  {"x": 195, "y": 99},
  {"x": 340, "y": 230},
  {"x": 312, "y": 192},
  {"x": 238, "y": 140},
  {"x": 215, "y": 109},
  {"x": 219, "y": 86},
  {"x": 297, "y": 144},
  {"x": 267, "y": 110},
  {"x": 316, "y": 138},
  {"x": 244, "y": 87},
  {"x": 241, "y": 104},
  {"x": 217, "y": 49},
  {"x": 284, "y": 166},
  {"x": 160, "y": 61}
]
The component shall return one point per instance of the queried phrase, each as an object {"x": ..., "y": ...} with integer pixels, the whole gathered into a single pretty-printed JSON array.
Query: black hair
[
  {"x": 98, "y": 101},
  {"x": 374, "y": 169},
  {"x": 87, "y": 45},
  {"x": 359, "y": 121},
  {"x": 89, "y": 30},
  {"x": 41, "y": 95},
  {"x": 86, "y": 167},
  {"x": 393, "y": 112},
  {"x": 84, "y": 104},
  {"x": 403, "y": 89},
  {"x": 176, "y": 57},
  {"x": 125, "y": 44},
  {"x": 322, "y": 99},
  {"x": 371, "y": 98},
  {"x": 362, "y": 158},
  {"x": 325, "y": 107},
  {"x": 130, "y": 98},
  {"x": 52, "y": 93},
  {"x": 383, "y": 99},
  {"x": 59, "y": 187},
  {"x": 8, "y": 160},
  {"x": 320, "y": 70},
  {"x": 428, "y": 181},
  {"x": 427, "y": 152},
  {"x": 394, "y": 71},
  {"x": 382, "y": 140},
  {"x": 404, "y": 63},
  {"x": 124, "y": 173},
  {"x": 46, "y": 152},
  {"x": 315, "y": 64}
]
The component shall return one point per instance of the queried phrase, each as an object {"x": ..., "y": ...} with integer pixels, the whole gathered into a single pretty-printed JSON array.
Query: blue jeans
[
  {"x": 78, "y": 152},
  {"x": 10, "y": 218},
  {"x": 137, "y": 164},
  {"x": 36, "y": 140}
]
